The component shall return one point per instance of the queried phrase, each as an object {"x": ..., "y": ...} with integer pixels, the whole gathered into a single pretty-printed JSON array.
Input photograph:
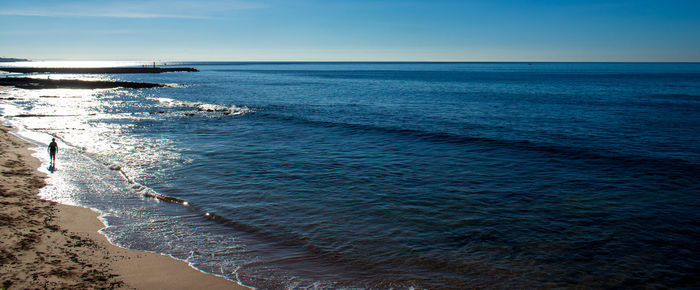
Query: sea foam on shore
[{"x": 77, "y": 179}]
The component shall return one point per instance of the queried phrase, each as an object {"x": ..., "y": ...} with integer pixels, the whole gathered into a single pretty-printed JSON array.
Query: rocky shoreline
[{"x": 35, "y": 83}]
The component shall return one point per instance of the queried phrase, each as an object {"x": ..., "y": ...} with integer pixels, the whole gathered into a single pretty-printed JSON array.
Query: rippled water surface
[{"x": 437, "y": 175}]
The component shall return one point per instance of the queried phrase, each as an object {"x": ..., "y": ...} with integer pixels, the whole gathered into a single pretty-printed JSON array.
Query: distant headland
[
  {"x": 11, "y": 59},
  {"x": 97, "y": 70}
]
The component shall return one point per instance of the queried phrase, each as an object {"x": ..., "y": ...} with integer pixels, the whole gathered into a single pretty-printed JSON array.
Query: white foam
[{"x": 205, "y": 107}]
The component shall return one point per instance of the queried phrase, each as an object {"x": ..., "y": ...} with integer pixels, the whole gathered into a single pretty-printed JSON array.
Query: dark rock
[
  {"x": 97, "y": 70},
  {"x": 32, "y": 83}
]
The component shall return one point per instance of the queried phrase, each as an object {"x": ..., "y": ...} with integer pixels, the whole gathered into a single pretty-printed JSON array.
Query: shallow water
[{"x": 438, "y": 175}]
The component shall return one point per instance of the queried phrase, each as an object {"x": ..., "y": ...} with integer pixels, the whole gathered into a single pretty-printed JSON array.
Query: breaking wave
[{"x": 205, "y": 107}]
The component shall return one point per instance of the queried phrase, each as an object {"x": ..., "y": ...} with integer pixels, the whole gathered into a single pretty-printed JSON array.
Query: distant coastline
[
  {"x": 97, "y": 70},
  {"x": 11, "y": 59}
]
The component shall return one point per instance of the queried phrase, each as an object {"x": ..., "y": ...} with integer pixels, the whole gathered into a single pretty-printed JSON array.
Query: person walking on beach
[{"x": 53, "y": 148}]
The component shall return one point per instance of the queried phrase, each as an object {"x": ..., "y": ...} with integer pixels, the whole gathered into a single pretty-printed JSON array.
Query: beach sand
[{"x": 48, "y": 245}]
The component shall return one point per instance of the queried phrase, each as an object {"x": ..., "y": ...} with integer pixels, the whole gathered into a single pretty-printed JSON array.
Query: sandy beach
[{"x": 49, "y": 245}]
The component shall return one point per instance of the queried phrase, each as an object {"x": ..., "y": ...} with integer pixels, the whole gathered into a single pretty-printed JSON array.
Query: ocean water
[{"x": 390, "y": 175}]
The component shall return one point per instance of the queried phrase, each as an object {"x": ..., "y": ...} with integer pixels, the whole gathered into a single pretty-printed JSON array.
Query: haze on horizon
[{"x": 358, "y": 30}]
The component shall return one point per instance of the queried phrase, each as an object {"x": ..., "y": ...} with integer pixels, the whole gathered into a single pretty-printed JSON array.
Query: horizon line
[{"x": 353, "y": 61}]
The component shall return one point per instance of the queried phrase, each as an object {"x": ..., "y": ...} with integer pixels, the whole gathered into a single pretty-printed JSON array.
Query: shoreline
[{"x": 47, "y": 244}]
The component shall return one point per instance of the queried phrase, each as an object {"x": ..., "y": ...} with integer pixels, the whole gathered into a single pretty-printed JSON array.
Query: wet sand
[{"x": 48, "y": 245}]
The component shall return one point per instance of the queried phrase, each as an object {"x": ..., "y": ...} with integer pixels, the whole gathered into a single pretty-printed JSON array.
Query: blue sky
[{"x": 360, "y": 30}]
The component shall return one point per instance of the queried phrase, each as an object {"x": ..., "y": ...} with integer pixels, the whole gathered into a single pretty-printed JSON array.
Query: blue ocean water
[{"x": 380, "y": 175}]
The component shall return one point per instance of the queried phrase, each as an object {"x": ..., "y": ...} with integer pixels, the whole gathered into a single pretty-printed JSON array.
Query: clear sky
[{"x": 345, "y": 30}]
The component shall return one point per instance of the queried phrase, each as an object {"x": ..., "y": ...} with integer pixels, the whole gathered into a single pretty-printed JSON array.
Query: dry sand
[{"x": 48, "y": 245}]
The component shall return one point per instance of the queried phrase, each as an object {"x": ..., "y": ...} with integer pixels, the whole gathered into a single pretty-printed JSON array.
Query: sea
[{"x": 381, "y": 175}]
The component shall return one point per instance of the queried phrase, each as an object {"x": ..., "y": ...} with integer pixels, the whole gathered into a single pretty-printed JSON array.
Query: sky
[{"x": 357, "y": 30}]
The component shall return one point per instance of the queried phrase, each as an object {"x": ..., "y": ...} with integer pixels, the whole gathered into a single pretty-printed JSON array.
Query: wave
[
  {"x": 136, "y": 186},
  {"x": 604, "y": 158},
  {"x": 176, "y": 85},
  {"x": 205, "y": 107},
  {"x": 469, "y": 76},
  {"x": 683, "y": 97}
]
